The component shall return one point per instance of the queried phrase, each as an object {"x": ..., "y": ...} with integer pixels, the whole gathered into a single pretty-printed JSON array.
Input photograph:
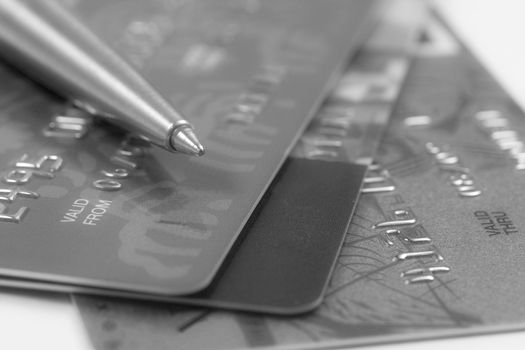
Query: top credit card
[{"x": 88, "y": 205}]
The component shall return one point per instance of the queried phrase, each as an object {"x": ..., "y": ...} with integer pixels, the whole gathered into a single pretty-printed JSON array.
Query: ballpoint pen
[{"x": 45, "y": 40}]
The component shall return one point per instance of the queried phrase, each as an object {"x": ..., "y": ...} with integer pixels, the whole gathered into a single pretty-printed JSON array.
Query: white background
[{"x": 493, "y": 29}]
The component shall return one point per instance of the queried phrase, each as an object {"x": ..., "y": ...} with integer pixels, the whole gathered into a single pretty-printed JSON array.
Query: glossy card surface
[{"x": 90, "y": 206}]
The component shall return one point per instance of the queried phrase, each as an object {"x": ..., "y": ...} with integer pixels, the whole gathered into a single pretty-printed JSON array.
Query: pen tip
[{"x": 184, "y": 140}]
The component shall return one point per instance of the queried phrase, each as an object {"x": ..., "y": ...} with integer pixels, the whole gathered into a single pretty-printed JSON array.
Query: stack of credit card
[{"x": 357, "y": 187}]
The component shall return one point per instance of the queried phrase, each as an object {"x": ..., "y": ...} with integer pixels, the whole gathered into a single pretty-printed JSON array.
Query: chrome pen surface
[{"x": 46, "y": 41}]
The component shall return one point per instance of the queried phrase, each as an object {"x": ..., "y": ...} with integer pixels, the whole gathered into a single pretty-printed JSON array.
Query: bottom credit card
[{"x": 435, "y": 247}]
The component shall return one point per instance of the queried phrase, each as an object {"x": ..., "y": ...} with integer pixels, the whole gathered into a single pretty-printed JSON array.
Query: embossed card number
[{"x": 24, "y": 171}]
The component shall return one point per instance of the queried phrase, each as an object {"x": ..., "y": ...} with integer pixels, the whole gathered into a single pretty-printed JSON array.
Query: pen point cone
[{"x": 184, "y": 140}]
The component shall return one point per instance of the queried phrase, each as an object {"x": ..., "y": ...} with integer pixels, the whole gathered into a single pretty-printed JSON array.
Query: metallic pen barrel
[{"x": 43, "y": 39}]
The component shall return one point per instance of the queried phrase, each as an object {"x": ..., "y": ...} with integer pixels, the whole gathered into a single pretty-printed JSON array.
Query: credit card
[
  {"x": 94, "y": 208},
  {"x": 436, "y": 251}
]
